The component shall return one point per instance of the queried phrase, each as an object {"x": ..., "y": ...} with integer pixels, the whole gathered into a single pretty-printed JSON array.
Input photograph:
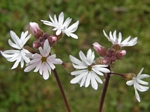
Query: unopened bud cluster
[
  {"x": 41, "y": 36},
  {"x": 108, "y": 56}
]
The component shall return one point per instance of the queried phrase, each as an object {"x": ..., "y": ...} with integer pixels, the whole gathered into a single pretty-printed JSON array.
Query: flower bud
[
  {"x": 113, "y": 58},
  {"x": 111, "y": 50},
  {"x": 52, "y": 40},
  {"x": 35, "y": 29},
  {"x": 29, "y": 49},
  {"x": 116, "y": 47},
  {"x": 45, "y": 36},
  {"x": 99, "y": 49},
  {"x": 120, "y": 54},
  {"x": 58, "y": 36},
  {"x": 99, "y": 60},
  {"x": 36, "y": 44},
  {"x": 42, "y": 39},
  {"x": 106, "y": 60},
  {"x": 128, "y": 76},
  {"x": 68, "y": 67}
]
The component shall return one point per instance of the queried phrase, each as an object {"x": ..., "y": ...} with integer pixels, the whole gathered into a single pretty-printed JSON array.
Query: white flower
[
  {"x": 88, "y": 71},
  {"x": 19, "y": 54},
  {"x": 139, "y": 84},
  {"x": 61, "y": 26},
  {"x": 43, "y": 62},
  {"x": 113, "y": 38}
]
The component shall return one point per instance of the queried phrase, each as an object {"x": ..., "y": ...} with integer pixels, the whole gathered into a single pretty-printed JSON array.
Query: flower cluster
[
  {"x": 87, "y": 70},
  {"x": 42, "y": 61},
  {"x": 115, "y": 52}
]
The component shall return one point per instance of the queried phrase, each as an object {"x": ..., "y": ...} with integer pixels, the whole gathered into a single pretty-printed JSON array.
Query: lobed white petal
[
  {"x": 15, "y": 38},
  {"x": 38, "y": 66},
  {"x": 83, "y": 58},
  {"x": 61, "y": 18},
  {"x": 142, "y": 76},
  {"x": 66, "y": 23},
  {"x": 137, "y": 96},
  {"x": 94, "y": 75},
  {"x": 13, "y": 45},
  {"x": 130, "y": 82},
  {"x": 78, "y": 72},
  {"x": 75, "y": 60},
  {"x": 83, "y": 80},
  {"x": 90, "y": 56},
  {"x": 77, "y": 79},
  {"x": 87, "y": 82},
  {"x": 16, "y": 63},
  {"x": 94, "y": 83},
  {"x": 117, "y": 40},
  {"x": 45, "y": 71},
  {"x": 142, "y": 82}
]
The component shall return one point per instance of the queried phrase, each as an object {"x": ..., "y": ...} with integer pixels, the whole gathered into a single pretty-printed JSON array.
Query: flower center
[
  {"x": 89, "y": 68},
  {"x": 43, "y": 59}
]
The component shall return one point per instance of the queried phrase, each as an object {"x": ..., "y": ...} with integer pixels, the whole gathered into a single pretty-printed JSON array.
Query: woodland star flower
[
  {"x": 43, "y": 62},
  {"x": 113, "y": 38},
  {"x": 19, "y": 53},
  {"x": 61, "y": 26},
  {"x": 88, "y": 72},
  {"x": 139, "y": 84}
]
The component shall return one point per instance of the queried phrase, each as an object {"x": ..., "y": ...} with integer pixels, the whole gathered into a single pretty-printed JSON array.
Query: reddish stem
[
  {"x": 104, "y": 92},
  {"x": 61, "y": 90}
]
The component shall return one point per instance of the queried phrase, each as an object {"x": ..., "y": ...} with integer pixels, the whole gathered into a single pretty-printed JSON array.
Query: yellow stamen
[
  {"x": 90, "y": 68},
  {"x": 43, "y": 59}
]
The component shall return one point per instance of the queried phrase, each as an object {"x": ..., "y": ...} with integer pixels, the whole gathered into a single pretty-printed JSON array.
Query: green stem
[{"x": 61, "y": 90}]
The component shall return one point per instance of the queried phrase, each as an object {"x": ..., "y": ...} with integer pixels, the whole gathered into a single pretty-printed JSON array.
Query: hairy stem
[
  {"x": 104, "y": 92},
  {"x": 61, "y": 90}
]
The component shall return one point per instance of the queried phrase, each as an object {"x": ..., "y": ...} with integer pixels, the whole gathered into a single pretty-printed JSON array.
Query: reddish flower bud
[
  {"x": 42, "y": 39},
  {"x": 35, "y": 29},
  {"x": 52, "y": 40},
  {"x": 99, "y": 49},
  {"x": 113, "y": 58},
  {"x": 106, "y": 60},
  {"x": 36, "y": 44},
  {"x": 120, "y": 54}
]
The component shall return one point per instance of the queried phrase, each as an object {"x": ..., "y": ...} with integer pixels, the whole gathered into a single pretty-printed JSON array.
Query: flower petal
[
  {"x": 137, "y": 96},
  {"x": 77, "y": 79},
  {"x": 87, "y": 83},
  {"x": 94, "y": 83},
  {"x": 16, "y": 63},
  {"x": 45, "y": 71},
  {"x": 15, "y": 38},
  {"x": 130, "y": 82},
  {"x": 75, "y": 60},
  {"x": 79, "y": 72}
]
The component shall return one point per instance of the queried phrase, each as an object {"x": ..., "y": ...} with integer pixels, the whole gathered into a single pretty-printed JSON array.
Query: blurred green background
[{"x": 29, "y": 92}]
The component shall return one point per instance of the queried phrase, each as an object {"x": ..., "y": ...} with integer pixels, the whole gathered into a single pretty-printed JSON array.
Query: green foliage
[{"x": 28, "y": 92}]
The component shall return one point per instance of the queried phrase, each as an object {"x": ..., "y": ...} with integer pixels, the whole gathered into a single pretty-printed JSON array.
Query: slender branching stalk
[
  {"x": 104, "y": 92},
  {"x": 61, "y": 90}
]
